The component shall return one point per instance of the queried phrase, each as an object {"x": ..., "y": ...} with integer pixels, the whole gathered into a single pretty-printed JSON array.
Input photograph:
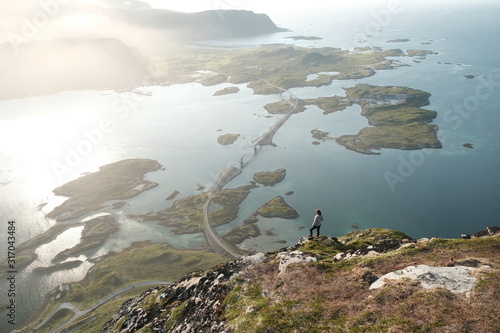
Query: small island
[
  {"x": 227, "y": 91},
  {"x": 284, "y": 106},
  {"x": 320, "y": 135},
  {"x": 304, "y": 38},
  {"x": 186, "y": 214},
  {"x": 419, "y": 53},
  {"x": 277, "y": 207},
  {"x": 270, "y": 178},
  {"x": 116, "y": 181},
  {"x": 396, "y": 117},
  {"x": 240, "y": 233},
  {"x": 400, "y": 40},
  {"x": 172, "y": 195},
  {"x": 227, "y": 139}
]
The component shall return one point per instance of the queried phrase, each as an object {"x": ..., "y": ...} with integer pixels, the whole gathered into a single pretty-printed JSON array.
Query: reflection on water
[{"x": 444, "y": 193}]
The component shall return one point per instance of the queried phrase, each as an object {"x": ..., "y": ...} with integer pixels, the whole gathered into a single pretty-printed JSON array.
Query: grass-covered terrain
[
  {"x": 186, "y": 214},
  {"x": 57, "y": 319},
  {"x": 156, "y": 262},
  {"x": 141, "y": 262},
  {"x": 270, "y": 178},
  {"x": 116, "y": 181},
  {"x": 396, "y": 116},
  {"x": 227, "y": 91},
  {"x": 329, "y": 295},
  {"x": 93, "y": 321},
  {"x": 277, "y": 207},
  {"x": 284, "y": 106},
  {"x": 334, "y": 297},
  {"x": 281, "y": 65},
  {"x": 330, "y": 104},
  {"x": 227, "y": 139},
  {"x": 395, "y": 112},
  {"x": 242, "y": 232}
]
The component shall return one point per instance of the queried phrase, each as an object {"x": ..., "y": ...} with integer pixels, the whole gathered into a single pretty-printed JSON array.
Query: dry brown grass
[{"x": 336, "y": 298}]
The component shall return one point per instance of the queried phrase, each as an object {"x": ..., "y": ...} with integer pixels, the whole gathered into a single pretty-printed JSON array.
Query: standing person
[{"x": 316, "y": 223}]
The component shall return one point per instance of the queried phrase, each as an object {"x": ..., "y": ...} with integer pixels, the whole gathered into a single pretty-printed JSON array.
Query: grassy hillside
[{"x": 332, "y": 292}]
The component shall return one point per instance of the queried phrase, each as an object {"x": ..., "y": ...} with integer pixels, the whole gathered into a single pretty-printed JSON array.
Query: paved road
[
  {"x": 217, "y": 243},
  {"x": 80, "y": 313}
]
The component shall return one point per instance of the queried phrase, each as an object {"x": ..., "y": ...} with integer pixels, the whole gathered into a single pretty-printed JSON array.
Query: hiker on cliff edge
[{"x": 316, "y": 223}]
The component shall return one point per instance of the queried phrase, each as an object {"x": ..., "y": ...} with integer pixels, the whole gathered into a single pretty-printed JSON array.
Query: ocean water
[{"x": 425, "y": 193}]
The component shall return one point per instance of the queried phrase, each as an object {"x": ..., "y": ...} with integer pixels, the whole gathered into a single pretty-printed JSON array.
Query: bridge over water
[{"x": 216, "y": 242}]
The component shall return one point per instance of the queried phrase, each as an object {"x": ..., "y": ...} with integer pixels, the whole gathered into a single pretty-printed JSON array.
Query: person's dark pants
[{"x": 317, "y": 230}]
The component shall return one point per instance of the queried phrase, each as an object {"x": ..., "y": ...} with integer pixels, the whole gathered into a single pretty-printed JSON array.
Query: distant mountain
[
  {"x": 47, "y": 66},
  {"x": 104, "y": 54},
  {"x": 211, "y": 24}
]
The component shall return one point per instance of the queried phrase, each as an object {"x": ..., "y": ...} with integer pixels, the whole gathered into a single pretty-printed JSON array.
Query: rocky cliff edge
[{"x": 374, "y": 280}]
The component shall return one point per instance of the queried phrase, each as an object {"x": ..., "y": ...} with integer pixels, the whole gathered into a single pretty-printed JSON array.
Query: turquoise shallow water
[{"x": 426, "y": 193}]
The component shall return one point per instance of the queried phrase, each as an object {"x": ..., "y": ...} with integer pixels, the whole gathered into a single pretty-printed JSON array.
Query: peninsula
[{"x": 113, "y": 182}]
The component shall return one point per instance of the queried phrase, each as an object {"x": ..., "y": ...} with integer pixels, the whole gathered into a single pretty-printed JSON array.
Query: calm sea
[{"x": 426, "y": 193}]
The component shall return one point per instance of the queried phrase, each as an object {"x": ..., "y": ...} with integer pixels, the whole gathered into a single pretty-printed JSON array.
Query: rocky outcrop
[
  {"x": 457, "y": 279},
  {"x": 194, "y": 304},
  {"x": 329, "y": 273},
  {"x": 294, "y": 257}
]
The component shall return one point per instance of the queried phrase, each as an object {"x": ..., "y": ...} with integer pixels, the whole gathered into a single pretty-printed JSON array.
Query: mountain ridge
[{"x": 323, "y": 285}]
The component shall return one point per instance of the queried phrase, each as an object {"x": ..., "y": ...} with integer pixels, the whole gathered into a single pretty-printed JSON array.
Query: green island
[
  {"x": 227, "y": 91},
  {"x": 172, "y": 195},
  {"x": 270, "y": 178},
  {"x": 94, "y": 234},
  {"x": 277, "y": 207},
  {"x": 242, "y": 232},
  {"x": 320, "y": 135},
  {"x": 396, "y": 116},
  {"x": 419, "y": 53},
  {"x": 280, "y": 65},
  {"x": 116, "y": 181},
  {"x": 400, "y": 40},
  {"x": 186, "y": 214},
  {"x": 284, "y": 106},
  {"x": 227, "y": 139},
  {"x": 272, "y": 69}
]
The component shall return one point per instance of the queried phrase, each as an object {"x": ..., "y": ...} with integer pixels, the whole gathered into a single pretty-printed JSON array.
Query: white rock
[
  {"x": 456, "y": 279},
  {"x": 294, "y": 257},
  {"x": 254, "y": 258},
  {"x": 423, "y": 240}
]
